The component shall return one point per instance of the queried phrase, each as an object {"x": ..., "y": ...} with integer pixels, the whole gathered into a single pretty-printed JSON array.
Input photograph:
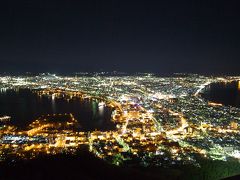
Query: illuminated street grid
[{"x": 159, "y": 120}]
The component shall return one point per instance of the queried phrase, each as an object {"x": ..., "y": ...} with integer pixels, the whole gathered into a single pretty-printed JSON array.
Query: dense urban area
[{"x": 159, "y": 121}]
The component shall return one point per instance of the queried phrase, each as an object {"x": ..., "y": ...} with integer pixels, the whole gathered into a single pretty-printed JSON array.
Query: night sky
[{"x": 161, "y": 36}]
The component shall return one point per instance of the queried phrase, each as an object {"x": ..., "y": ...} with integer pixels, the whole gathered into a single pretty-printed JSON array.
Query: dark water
[
  {"x": 24, "y": 107},
  {"x": 225, "y": 93}
]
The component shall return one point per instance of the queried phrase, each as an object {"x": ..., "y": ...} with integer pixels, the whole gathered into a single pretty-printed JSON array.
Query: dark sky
[{"x": 160, "y": 36}]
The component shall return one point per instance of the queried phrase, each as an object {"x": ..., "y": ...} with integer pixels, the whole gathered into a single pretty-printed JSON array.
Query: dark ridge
[
  {"x": 86, "y": 166},
  {"x": 83, "y": 166}
]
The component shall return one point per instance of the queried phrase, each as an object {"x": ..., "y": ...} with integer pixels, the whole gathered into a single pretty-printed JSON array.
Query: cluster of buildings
[{"x": 159, "y": 120}]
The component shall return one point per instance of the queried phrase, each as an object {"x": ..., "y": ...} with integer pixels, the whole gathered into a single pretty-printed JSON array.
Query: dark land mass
[
  {"x": 85, "y": 165},
  {"x": 81, "y": 166}
]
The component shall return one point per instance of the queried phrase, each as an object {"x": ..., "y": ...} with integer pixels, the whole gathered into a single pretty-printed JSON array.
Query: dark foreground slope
[{"x": 84, "y": 166}]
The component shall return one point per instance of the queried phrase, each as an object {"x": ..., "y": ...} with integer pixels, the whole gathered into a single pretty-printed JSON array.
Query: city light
[{"x": 164, "y": 119}]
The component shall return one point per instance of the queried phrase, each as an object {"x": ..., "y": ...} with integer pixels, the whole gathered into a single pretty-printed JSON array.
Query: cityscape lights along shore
[{"x": 159, "y": 121}]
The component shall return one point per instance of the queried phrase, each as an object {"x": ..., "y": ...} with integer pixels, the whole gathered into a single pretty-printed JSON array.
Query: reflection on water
[
  {"x": 54, "y": 104},
  {"x": 24, "y": 107},
  {"x": 101, "y": 110},
  {"x": 224, "y": 93}
]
